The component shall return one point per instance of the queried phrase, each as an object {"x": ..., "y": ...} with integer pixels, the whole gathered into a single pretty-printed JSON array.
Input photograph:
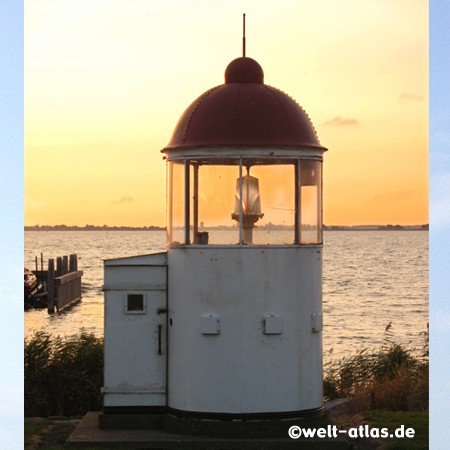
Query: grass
[
  {"x": 34, "y": 428},
  {"x": 392, "y": 378},
  {"x": 63, "y": 377},
  {"x": 393, "y": 420}
]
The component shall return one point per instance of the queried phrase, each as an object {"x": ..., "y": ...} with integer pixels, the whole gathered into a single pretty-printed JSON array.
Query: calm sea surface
[{"x": 370, "y": 279}]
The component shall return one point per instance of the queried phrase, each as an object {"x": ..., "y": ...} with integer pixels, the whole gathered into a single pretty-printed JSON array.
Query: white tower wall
[{"x": 244, "y": 329}]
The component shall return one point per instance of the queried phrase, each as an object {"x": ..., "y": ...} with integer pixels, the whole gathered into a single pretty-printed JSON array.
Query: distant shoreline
[
  {"x": 424, "y": 227},
  {"x": 90, "y": 228}
]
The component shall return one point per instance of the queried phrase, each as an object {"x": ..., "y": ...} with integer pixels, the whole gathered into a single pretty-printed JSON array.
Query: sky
[
  {"x": 12, "y": 181},
  {"x": 106, "y": 81}
]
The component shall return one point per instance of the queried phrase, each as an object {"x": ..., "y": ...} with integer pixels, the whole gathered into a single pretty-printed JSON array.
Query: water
[{"x": 370, "y": 279}]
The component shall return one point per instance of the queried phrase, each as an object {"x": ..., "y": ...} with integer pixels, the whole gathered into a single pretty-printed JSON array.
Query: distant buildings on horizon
[
  {"x": 269, "y": 226},
  {"x": 376, "y": 227},
  {"x": 90, "y": 228}
]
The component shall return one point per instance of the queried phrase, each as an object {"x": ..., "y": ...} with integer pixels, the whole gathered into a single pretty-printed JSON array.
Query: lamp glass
[{"x": 251, "y": 201}]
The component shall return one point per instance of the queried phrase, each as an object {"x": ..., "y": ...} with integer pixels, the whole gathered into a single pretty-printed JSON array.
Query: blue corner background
[{"x": 439, "y": 223}]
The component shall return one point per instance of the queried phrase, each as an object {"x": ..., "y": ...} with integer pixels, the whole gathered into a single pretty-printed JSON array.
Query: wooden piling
[
  {"x": 42, "y": 268},
  {"x": 73, "y": 264},
  {"x": 51, "y": 286},
  {"x": 59, "y": 266},
  {"x": 65, "y": 265}
]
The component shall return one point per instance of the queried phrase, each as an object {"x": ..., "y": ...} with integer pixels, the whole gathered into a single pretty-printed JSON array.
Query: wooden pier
[{"x": 61, "y": 284}]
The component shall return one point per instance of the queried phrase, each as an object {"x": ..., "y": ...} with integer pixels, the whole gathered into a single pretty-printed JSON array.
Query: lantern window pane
[
  {"x": 310, "y": 202},
  {"x": 269, "y": 199},
  {"x": 176, "y": 210},
  {"x": 212, "y": 189}
]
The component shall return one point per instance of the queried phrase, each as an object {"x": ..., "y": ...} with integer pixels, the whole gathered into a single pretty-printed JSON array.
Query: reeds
[
  {"x": 394, "y": 378},
  {"x": 63, "y": 377}
]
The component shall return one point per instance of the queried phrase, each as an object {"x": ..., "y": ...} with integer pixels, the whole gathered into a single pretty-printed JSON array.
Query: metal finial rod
[{"x": 243, "y": 39}]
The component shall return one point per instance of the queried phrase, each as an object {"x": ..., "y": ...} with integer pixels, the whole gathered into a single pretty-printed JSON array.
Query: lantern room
[{"x": 244, "y": 167}]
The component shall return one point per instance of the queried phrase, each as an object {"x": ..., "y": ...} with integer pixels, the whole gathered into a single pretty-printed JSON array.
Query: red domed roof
[
  {"x": 244, "y": 70},
  {"x": 244, "y": 112}
]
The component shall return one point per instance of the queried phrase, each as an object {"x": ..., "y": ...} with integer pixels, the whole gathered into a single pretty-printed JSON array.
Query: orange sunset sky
[{"x": 106, "y": 81}]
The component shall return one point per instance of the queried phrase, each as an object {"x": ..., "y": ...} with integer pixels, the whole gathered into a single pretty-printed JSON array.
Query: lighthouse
[{"x": 227, "y": 322}]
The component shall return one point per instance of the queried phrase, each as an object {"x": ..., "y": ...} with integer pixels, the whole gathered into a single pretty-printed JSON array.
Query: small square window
[{"x": 134, "y": 303}]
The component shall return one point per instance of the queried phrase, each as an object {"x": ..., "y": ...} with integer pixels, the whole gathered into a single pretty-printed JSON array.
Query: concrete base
[
  {"x": 88, "y": 434},
  {"x": 228, "y": 428}
]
